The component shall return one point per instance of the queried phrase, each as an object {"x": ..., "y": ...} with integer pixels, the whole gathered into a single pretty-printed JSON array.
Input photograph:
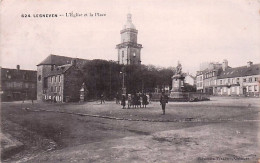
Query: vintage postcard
[{"x": 172, "y": 81}]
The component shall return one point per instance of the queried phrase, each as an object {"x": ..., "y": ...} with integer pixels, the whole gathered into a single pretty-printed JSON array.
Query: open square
[{"x": 223, "y": 129}]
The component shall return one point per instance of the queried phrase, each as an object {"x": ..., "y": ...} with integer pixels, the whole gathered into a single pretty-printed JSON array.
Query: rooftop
[
  {"x": 240, "y": 71},
  {"x": 61, "y": 60},
  {"x": 15, "y": 74},
  {"x": 60, "y": 70}
]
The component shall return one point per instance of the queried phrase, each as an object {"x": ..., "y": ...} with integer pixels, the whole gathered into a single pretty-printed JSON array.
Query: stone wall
[{"x": 42, "y": 72}]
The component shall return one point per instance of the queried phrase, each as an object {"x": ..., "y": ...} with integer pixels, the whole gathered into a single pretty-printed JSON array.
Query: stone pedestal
[
  {"x": 83, "y": 93},
  {"x": 177, "y": 86}
]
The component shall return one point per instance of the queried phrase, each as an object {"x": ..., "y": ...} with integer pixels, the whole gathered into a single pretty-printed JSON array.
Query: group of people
[
  {"x": 135, "y": 100},
  {"x": 142, "y": 100},
  {"x": 139, "y": 100}
]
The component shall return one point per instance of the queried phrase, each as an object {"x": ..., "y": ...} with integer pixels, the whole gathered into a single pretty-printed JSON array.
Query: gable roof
[
  {"x": 240, "y": 71},
  {"x": 61, "y": 60},
  {"x": 18, "y": 75}
]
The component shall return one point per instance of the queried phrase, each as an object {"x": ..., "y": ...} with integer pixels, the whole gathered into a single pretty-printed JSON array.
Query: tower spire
[
  {"x": 129, "y": 51},
  {"x": 129, "y": 18}
]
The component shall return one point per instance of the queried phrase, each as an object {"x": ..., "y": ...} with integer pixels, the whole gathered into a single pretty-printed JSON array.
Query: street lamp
[
  {"x": 123, "y": 84},
  {"x": 142, "y": 73},
  {"x": 110, "y": 78}
]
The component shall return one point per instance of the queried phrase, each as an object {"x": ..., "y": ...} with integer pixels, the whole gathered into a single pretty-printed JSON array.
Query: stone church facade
[{"x": 129, "y": 51}]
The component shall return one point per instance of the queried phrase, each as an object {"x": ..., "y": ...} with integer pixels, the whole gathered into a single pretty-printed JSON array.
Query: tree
[{"x": 101, "y": 76}]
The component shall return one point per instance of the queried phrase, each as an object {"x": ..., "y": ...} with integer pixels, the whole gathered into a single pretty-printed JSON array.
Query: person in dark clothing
[
  {"x": 145, "y": 102},
  {"x": 102, "y": 98},
  {"x": 135, "y": 100},
  {"x": 138, "y": 101},
  {"x": 123, "y": 101},
  {"x": 163, "y": 101}
]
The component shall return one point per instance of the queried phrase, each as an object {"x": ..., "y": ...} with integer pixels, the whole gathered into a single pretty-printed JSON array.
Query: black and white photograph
[{"x": 130, "y": 81}]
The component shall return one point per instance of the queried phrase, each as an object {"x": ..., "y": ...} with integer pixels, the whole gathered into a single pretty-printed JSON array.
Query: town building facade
[
  {"x": 224, "y": 80},
  {"x": 59, "y": 79},
  {"x": 199, "y": 81},
  {"x": 239, "y": 81},
  {"x": 206, "y": 79},
  {"x": 17, "y": 84},
  {"x": 129, "y": 51}
]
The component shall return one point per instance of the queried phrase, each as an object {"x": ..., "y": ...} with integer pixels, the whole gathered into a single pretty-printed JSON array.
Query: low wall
[{"x": 188, "y": 96}]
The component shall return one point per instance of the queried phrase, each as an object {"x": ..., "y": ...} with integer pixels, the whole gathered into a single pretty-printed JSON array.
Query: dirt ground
[{"x": 225, "y": 129}]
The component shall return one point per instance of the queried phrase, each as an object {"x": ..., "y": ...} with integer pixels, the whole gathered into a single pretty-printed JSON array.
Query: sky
[{"x": 189, "y": 31}]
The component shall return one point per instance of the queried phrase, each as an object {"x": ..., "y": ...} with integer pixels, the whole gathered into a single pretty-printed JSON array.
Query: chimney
[
  {"x": 18, "y": 67},
  {"x": 224, "y": 65},
  {"x": 249, "y": 64}
]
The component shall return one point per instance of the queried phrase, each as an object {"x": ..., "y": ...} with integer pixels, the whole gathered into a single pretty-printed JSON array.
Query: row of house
[
  {"x": 220, "y": 79},
  {"x": 17, "y": 84}
]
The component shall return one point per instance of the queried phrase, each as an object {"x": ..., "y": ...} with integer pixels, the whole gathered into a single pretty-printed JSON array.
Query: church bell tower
[{"x": 129, "y": 51}]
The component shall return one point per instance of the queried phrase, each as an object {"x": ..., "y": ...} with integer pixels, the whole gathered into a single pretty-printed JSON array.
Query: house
[
  {"x": 17, "y": 84},
  {"x": 242, "y": 80},
  {"x": 59, "y": 78},
  {"x": 189, "y": 79},
  {"x": 206, "y": 79},
  {"x": 199, "y": 81}
]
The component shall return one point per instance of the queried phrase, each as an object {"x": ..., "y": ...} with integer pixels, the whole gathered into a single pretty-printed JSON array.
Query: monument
[
  {"x": 83, "y": 93},
  {"x": 178, "y": 84}
]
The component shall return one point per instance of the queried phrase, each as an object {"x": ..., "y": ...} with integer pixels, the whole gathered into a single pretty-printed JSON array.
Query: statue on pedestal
[
  {"x": 179, "y": 69},
  {"x": 177, "y": 83}
]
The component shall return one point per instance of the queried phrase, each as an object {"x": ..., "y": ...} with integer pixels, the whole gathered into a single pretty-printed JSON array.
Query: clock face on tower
[{"x": 134, "y": 55}]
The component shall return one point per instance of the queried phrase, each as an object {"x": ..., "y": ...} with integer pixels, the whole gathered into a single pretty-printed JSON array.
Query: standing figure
[
  {"x": 179, "y": 68},
  {"x": 163, "y": 101},
  {"x": 123, "y": 101},
  {"x": 135, "y": 100},
  {"x": 145, "y": 102},
  {"x": 54, "y": 99},
  {"x": 129, "y": 99},
  {"x": 138, "y": 100},
  {"x": 102, "y": 98}
]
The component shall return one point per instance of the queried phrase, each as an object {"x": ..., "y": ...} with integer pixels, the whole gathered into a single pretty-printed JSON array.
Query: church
[
  {"x": 129, "y": 51},
  {"x": 59, "y": 78}
]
